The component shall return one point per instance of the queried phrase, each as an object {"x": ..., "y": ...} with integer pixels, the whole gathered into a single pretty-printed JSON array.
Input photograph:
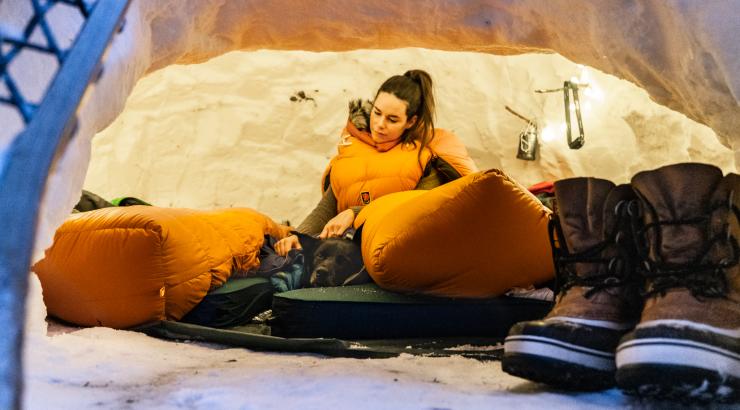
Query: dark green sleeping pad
[
  {"x": 369, "y": 312},
  {"x": 350, "y": 321}
]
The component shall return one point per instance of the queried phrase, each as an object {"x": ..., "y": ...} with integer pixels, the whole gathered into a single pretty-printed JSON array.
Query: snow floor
[{"x": 103, "y": 368}]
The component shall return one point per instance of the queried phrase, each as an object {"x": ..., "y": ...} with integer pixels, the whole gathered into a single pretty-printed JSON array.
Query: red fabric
[{"x": 542, "y": 187}]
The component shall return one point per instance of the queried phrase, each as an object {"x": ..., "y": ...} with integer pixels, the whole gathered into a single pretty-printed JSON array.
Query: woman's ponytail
[{"x": 424, "y": 127}]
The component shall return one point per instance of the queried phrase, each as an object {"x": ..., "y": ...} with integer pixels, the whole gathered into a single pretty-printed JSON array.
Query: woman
[{"x": 400, "y": 150}]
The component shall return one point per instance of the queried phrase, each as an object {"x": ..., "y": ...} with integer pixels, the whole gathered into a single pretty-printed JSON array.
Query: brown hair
[{"x": 414, "y": 87}]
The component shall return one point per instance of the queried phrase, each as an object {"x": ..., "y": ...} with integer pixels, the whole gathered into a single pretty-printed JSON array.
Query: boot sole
[
  {"x": 678, "y": 369},
  {"x": 556, "y": 373},
  {"x": 576, "y": 367},
  {"x": 678, "y": 383}
]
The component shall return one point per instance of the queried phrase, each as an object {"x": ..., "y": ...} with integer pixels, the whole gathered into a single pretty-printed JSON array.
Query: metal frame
[
  {"x": 38, "y": 20},
  {"x": 25, "y": 165}
]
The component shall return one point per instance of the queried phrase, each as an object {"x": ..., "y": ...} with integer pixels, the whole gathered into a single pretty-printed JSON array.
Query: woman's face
[{"x": 388, "y": 118}]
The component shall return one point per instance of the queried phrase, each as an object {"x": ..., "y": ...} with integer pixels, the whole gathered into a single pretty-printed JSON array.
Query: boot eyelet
[
  {"x": 611, "y": 280},
  {"x": 610, "y": 266},
  {"x": 633, "y": 208},
  {"x": 618, "y": 207},
  {"x": 618, "y": 238}
]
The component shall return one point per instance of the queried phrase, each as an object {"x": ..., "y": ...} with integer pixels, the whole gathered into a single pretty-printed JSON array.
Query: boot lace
[
  {"x": 701, "y": 277},
  {"x": 619, "y": 269}
]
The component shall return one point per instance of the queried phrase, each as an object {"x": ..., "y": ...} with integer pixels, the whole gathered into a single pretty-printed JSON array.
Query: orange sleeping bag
[
  {"x": 476, "y": 237},
  {"x": 124, "y": 266}
]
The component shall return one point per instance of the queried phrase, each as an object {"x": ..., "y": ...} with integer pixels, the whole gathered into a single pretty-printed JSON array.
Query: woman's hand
[
  {"x": 337, "y": 225},
  {"x": 286, "y": 244}
]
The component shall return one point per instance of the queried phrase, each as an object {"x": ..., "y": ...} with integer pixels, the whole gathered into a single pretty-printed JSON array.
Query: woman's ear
[{"x": 411, "y": 122}]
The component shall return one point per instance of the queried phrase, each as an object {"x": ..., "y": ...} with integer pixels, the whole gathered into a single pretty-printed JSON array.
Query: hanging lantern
[
  {"x": 528, "y": 139},
  {"x": 528, "y": 142}
]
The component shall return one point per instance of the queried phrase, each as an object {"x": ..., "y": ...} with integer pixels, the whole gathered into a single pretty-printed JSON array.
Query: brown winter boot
[
  {"x": 598, "y": 297},
  {"x": 687, "y": 344}
]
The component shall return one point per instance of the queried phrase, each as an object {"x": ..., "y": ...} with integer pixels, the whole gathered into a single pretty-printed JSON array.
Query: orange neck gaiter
[{"x": 365, "y": 137}]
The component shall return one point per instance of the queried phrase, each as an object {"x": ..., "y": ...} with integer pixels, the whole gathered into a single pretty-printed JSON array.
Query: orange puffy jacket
[{"x": 359, "y": 173}]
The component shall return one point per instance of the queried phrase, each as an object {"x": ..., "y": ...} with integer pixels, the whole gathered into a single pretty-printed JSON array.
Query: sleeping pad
[{"x": 355, "y": 321}]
